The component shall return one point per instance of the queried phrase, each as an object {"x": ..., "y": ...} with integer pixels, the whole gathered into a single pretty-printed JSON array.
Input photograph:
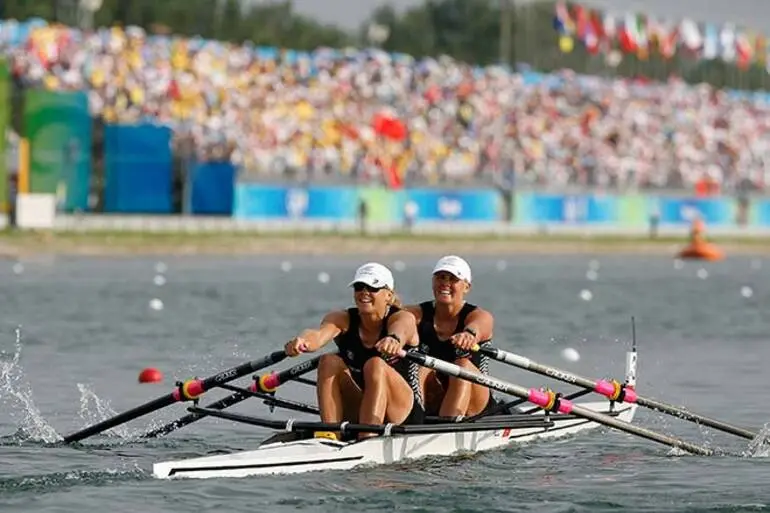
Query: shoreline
[{"x": 129, "y": 243}]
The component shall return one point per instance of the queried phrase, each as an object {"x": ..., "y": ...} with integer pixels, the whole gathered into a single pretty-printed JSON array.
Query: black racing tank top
[
  {"x": 429, "y": 340},
  {"x": 355, "y": 354}
]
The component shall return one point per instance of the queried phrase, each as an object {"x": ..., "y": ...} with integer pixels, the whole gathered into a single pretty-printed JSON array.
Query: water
[{"x": 87, "y": 329}]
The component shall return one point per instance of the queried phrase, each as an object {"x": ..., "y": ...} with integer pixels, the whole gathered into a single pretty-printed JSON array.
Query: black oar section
[
  {"x": 508, "y": 421},
  {"x": 613, "y": 390},
  {"x": 188, "y": 391},
  {"x": 263, "y": 387},
  {"x": 550, "y": 401}
]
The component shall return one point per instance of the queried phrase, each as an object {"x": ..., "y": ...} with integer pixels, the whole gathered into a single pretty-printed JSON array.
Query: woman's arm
[
  {"x": 402, "y": 330},
  {"x": 311, "y": 340},
  {"x": 479, "y": 327}
]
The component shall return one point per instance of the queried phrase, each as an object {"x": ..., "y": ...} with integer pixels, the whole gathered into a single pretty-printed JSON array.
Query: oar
[
  {"x": 550, "y": 402},
  {"x": 273, "y": 401},
  {"x": 266, "y": 384},
  {"x": 187, "y": 391},
  {"x": 501, "y": 407},
  {"x": 381, "y": 429},
  {"x": 613, "y": 390}
]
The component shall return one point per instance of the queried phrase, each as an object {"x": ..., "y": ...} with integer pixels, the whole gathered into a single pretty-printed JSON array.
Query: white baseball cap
[
  {"x": 454, "y": 265},
  {"x": 375, "y": 275}
]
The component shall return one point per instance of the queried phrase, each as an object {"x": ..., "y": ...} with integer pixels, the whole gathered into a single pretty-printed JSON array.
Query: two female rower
[
  {"x": 448, "y": 329},
  {"x": 365, "y": 381}
]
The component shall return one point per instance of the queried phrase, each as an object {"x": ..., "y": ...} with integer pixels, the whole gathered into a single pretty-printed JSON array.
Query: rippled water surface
[{"x": 74, "y": 334}]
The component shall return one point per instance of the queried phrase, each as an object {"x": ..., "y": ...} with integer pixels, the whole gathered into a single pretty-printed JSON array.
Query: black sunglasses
[{"x": 358, "y": 287}]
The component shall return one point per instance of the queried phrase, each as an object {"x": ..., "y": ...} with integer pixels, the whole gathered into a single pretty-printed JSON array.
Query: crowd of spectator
[{"x": 369, "y": 116}]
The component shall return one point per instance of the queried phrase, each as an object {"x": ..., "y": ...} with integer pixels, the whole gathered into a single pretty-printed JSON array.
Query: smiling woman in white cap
[
  {"x": 358, "y": 384},
  {"x": 448, "y": 328}
]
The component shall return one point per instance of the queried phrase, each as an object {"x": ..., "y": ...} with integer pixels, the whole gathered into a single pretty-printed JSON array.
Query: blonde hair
[{"x": 395, "y": 300}]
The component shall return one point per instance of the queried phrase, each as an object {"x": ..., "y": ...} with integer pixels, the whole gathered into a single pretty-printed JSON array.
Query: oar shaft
[
  {"x": 264, "y": 384},
  {"x": 270, "y": 382},
  {"x": 611, "y": 390},
  {"x": 520, "y": 421},
  {"x": 189, "y": 390},
  {"x": 694, "y": 417},
  {"x": 544, "y": 400}
]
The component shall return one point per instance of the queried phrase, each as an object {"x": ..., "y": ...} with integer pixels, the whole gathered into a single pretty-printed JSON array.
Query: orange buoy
[
  {"x": 150, "y": 375},
  {"x": 699, "y": 249}
]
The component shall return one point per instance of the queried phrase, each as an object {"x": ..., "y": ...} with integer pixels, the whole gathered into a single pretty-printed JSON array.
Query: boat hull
[{"x": 315, "y": 454}]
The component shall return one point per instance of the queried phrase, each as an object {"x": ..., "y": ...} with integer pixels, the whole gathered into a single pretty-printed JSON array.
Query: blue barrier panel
[
  {"x": 259, "y": 202},
  {"x": 138, "y": 167},
  {"x": 535, "y": 208},
  {"x": 282, "y": 202},
  {"x": 454, "y": 205},
  {"x": 211, "y": 185},
  {"x": 602, "y": 209},
  {"x": 760, "y": 213},
  {"x": 714, "y": 211}
]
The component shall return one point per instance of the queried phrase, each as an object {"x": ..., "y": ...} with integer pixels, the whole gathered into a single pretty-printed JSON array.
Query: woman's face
[
  {"x": 448, "y": 288},
  {"x": 369, "y": 299}
]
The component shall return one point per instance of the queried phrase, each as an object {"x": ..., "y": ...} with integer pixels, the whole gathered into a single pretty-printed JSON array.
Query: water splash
[
  {"x": 12, "y": 389},
  {"x": 759, "y": 447},
  {"x": 94, "y": 409}
]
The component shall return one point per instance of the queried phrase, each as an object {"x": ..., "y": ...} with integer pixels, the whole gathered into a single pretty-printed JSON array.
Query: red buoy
[{"x": 150, "y": 375}]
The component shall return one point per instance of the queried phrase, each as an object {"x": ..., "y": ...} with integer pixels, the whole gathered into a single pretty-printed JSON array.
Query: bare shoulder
[
  {"x": 415, "y": 310},
  {"x": 482, "y": 311},
  {"x": 480, "y": 314},
  {"x": 402, "y": 314}
]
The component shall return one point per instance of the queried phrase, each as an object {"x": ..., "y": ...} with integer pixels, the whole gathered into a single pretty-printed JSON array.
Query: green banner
[
  {"x": 58, "y": 128},
  {"x": 635, "y": 210},
  {"x": 380, "y": 203},
  {"x": 5, "y": 111}
]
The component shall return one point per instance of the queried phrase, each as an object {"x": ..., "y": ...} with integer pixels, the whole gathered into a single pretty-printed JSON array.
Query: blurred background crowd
[{"x": 344, "y": 115}]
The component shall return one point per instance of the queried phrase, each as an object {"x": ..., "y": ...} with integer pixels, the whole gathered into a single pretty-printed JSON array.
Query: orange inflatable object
[{"x": 701, "y": 251}]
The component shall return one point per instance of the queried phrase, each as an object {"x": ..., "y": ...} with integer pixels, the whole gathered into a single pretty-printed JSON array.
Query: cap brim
[
  {"x": 368, "y": 282},
  {"x": 451, "y": 271}
]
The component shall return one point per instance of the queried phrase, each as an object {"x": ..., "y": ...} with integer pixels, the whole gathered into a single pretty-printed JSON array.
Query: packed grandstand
[{"x": 349, "y": 114}]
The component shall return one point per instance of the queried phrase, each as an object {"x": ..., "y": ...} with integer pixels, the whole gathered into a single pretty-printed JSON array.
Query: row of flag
[{"x": 646, "y": 36}]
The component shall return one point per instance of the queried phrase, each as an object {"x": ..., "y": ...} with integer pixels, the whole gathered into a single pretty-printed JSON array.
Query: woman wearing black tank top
[
  {"x": 359, "y": 384},
  {"x": 448, "y": 328}
]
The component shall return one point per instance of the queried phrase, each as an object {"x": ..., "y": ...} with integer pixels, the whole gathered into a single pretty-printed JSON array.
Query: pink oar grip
[
  {"x": 189, "y": 390},
  {"x": 605, "y": 388},
  {"x": 269, "y": 382},
  {"x": 538, "y": 397},
  {"x": 542, "y": 399},
  {"x": 565, "y": 406}
]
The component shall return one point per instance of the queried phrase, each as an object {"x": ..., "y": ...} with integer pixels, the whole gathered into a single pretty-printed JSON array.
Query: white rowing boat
[
  {"x": 284, "y": 454},
  {"x": 293, "y": 452},
  {"x": 293, "y": 449}
]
